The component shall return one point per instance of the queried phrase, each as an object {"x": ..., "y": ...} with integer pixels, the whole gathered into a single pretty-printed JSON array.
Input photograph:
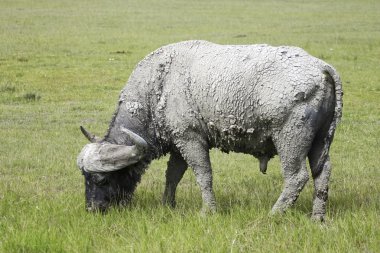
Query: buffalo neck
[{"x": 138, "y": 121}]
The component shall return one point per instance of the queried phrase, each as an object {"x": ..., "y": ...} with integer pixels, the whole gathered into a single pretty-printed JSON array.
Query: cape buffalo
[{"x": 188, "y": 97}]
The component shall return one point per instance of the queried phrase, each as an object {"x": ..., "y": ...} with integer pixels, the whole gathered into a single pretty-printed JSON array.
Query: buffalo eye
[{"x": 100, "y": 179}]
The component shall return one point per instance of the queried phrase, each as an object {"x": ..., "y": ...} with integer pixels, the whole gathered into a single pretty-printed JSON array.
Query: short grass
[{"x": 63, "y": 63}]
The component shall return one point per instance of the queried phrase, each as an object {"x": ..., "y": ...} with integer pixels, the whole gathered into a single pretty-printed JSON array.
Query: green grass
[{"x": 63, "y": 64}]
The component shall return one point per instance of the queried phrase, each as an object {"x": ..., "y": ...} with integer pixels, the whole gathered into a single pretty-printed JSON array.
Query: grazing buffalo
[{"x": 189, "y": 97}]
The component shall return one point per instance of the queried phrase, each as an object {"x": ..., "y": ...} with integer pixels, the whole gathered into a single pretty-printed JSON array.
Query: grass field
[{"x": 63, "y": 64}]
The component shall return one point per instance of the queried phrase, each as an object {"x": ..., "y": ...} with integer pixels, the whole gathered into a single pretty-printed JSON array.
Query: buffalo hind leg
[
  {"x": 321, "y": 180},
  {"x": 174, "y": 173},
  {"x": 293, "y": 143}
]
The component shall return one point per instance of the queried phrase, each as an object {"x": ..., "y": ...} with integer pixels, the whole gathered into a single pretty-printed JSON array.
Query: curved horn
[
  {"x": 91, "y": 137},
  {"x": 139, "y": 142},
  {"x": 107, "y": 157}
]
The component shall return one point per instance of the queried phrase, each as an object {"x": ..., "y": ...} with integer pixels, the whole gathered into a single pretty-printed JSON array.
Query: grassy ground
[{"x": 63, "y": 63}]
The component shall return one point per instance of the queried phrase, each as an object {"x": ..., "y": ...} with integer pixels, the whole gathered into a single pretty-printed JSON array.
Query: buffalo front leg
[
  {"x": 174, "y": 173},
  {"x": 196, "y": 154}
]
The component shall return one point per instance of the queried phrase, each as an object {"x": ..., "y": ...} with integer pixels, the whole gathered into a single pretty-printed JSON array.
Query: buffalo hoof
[
  {"x": 169, "y": 203},
  {"x": 207, "y": 211},
  {"x": 318, "y": 217}
]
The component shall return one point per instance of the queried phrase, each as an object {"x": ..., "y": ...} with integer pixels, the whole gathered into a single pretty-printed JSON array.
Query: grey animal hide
[{"x": 188, "y": 97}]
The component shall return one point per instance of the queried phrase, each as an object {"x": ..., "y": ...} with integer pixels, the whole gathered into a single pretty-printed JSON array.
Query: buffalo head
[{"x": 109, "y": 170}]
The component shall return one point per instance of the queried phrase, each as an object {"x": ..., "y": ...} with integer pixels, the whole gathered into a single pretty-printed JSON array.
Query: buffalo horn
[
  {"x": 138, "y": 141},
  {"x": 107, "y": 157},
  {"x": 91, "y": 137}
]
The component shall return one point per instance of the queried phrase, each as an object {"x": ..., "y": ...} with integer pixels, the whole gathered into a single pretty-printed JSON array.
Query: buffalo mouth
[
  {"x": 97, "y": 207},
  {"x": 102, "y": 207}
]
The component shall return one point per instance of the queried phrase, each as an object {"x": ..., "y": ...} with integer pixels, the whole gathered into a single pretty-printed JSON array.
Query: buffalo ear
[{"x": 91, "y": 137}]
